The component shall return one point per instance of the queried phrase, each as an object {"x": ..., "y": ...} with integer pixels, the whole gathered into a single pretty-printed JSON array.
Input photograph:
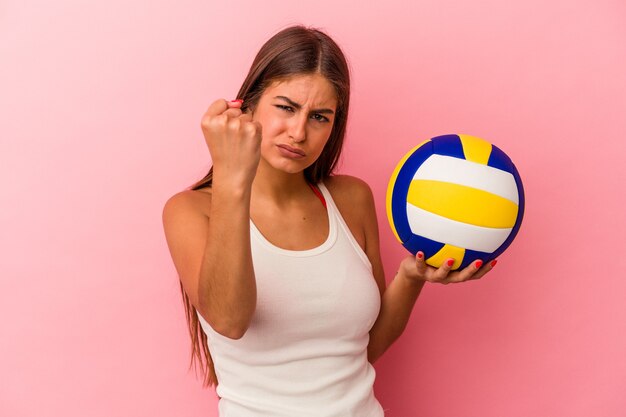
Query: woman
[{"x": 278, "y": 259}]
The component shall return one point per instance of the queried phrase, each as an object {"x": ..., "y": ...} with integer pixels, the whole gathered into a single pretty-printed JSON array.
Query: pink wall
[{"x": 100, "y": 106}]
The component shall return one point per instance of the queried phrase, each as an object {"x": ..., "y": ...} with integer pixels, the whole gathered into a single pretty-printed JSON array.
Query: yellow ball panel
[
  {"x": 463, "y": 204},
  {"x": 448, "y": 251}
]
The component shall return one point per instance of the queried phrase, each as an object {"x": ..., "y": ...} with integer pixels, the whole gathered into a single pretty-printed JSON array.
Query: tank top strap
[{"x": 335, "y": 214}]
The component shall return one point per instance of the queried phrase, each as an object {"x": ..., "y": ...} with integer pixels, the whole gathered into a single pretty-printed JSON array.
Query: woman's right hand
[{"x": 234, "y": 141}]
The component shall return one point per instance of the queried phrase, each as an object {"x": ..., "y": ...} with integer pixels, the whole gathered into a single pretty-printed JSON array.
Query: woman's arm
[
  {"x": 212, "y": 254},
  {"x": 398, "y": 300},
  {"x": 396, "y": 307},
  {"x": 209, "y": 238}
]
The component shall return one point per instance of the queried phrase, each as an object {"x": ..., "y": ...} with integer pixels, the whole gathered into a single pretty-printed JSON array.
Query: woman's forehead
[{"x": 315, "y": 89}]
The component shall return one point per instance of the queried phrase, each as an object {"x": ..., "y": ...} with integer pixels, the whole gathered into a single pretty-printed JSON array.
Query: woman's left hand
[{"x": 414, "y": 268}]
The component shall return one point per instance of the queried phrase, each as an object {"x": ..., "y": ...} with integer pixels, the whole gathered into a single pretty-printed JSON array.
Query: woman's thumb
[{"x": 235, "y": 103}]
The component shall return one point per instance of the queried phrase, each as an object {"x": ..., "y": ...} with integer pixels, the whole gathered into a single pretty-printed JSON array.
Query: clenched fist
[{"x": 234, "y": 141}]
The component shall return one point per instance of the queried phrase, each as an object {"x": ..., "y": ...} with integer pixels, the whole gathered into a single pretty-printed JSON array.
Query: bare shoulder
[
  {"x": 353, "y": 197},
  {"x": 349, "y": 188},
  {"x": 189, "y": 202}
]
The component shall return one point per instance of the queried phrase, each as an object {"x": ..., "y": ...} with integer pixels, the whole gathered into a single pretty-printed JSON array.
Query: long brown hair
[{"x": 296, "y": 50}]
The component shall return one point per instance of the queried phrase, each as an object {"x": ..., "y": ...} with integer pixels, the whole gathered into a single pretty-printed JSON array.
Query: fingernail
[
  {"x": 238, "y": 100},
  {"x": 494, "y": 262},
  {"x": 450, "y": 262},
  {"x": 478, "y": 264},
  {"x": 420, "y": 255}
]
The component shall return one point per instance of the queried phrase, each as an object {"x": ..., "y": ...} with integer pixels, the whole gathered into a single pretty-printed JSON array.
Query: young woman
[{"x": 279, "y": 260}]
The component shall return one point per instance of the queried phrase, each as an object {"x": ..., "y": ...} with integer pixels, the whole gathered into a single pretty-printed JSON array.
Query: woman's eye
[
  {"x": 318, "y": 117},
  {"x": 321, "y": 118}
]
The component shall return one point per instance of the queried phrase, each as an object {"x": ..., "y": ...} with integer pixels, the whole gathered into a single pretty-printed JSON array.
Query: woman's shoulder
[
  {"x": 348, "y": 187},
  {"x": 190, "y": 201},
  {"x": 353, "y": 197}
]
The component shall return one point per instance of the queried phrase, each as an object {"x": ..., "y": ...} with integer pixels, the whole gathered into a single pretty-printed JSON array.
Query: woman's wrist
[
  {"x": 413, "y": 281},
  {"x": 231, "y": 184}
]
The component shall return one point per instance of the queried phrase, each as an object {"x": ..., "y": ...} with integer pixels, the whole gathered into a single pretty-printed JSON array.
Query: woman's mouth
[{"x": 290, "y": 152}]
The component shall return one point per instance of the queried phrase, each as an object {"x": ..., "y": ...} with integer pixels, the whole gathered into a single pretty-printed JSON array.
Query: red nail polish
[
  {"x": 451, "y": 262},
  {"x": 238, "y": 100},
  {"x": 493, "y": 263},
  {"x": 420, "y": 255},
  {"x": 478, "y": 264}
]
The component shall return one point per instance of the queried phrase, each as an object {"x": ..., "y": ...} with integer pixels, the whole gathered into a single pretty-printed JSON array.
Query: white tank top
[{"x": 305, "y": 352}]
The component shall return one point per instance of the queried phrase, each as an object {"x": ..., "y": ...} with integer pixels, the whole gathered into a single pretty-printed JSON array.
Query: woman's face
[{"x": 296, "y": 113}]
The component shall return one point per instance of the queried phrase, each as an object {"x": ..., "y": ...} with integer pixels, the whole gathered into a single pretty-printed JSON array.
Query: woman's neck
[{"x": 278, "y": 186}]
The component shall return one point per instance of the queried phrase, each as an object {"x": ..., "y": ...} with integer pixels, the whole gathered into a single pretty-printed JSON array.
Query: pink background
[{"x": 100, "y": 108}]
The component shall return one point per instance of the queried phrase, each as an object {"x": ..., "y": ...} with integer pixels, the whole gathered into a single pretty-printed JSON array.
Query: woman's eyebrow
[{"x": 299, "y": 106}]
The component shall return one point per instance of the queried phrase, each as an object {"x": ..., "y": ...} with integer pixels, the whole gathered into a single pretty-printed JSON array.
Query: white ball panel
[
  {"x": 468, "y": 173},
  {"x": 441, "y": 229}
]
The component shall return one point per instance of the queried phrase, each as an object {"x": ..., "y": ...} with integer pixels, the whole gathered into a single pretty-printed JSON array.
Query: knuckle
[
  {"x": 219, "y": 120},
  {"x": 222, "y": 104},
  {"x": 234, "y": 124},
  {"x": 250, "y": 128},
  {"x": 212, "y": 122},
  {"x": 206, "y": 120}
]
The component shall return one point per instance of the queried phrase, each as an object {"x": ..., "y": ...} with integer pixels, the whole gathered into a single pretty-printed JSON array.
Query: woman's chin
[{"x": 290, "y": 166}]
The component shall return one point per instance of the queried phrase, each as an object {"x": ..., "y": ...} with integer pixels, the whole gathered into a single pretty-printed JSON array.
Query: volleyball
[{"x": 455, "y": 196}]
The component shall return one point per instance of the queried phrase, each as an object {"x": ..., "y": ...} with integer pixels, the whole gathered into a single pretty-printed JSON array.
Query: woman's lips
[{"x": 290, "y": 152}]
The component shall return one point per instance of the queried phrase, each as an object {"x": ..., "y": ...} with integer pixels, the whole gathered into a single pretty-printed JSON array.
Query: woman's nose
[{"x": 297, "y": 128}]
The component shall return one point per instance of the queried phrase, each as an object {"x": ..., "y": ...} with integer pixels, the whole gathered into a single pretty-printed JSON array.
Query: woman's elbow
[
  {"x": 232, "y": 332},
  {"x": 228, "y": 328}
]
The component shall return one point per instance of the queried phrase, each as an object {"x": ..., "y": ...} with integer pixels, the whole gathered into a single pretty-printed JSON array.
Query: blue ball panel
[
  {"x": 520, "y": 215},
  {"x": 448, "y": 145},
  {"x": 499, "y": 159},
  {"x": 428, "y": 246},
  {"x": 472, "y": 255},
  {"x": 401, "y": 189}
]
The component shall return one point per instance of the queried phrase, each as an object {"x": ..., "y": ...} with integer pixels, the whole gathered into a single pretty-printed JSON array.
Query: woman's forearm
[
  {"x": 396, "y": 306},
  {"x": 227, "y": 285}
]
